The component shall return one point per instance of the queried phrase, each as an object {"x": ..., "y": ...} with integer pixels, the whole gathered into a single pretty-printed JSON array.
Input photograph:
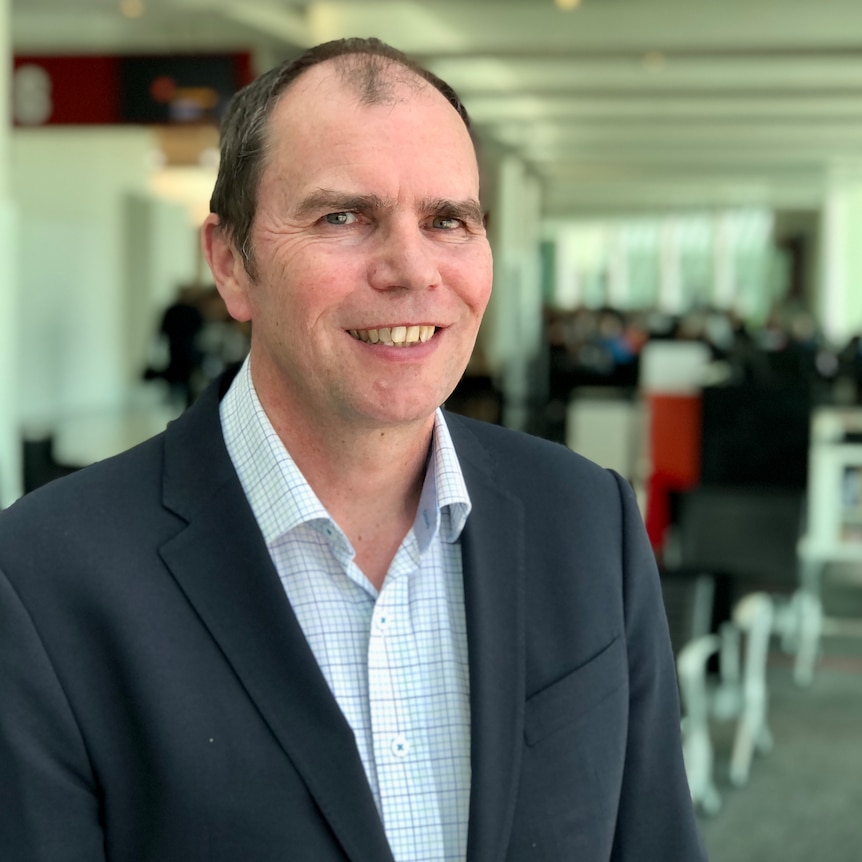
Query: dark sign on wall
[{"x": 113, "y": 90}]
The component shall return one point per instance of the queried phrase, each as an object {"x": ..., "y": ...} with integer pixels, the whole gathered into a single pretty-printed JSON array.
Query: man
[{"x": 317, "y": 619}]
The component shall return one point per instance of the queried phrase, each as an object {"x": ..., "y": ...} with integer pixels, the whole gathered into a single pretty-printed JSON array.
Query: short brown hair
[{"x": 367, "y": 64}]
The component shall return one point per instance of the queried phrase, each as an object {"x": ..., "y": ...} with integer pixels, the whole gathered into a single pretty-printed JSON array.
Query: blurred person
[
  {"x": 318, "y": 618},
  {"x": 223, "y": 341},
  {"x": 180, "y": 327}
]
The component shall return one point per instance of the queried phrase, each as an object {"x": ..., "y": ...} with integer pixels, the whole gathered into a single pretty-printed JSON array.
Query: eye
[
  {"x": 340, "y": 218},
  {"x": 443, "y": 222}
]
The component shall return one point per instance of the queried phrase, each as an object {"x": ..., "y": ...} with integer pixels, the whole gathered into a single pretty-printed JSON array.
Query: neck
[
  {"x": 368, "y": 478},
  {"x": 354, "y": 468}
]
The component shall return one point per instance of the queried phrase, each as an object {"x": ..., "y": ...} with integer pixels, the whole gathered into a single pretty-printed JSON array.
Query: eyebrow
[
  {"x": 331, "y": 200},
  {"x": 468, "y": 210}
]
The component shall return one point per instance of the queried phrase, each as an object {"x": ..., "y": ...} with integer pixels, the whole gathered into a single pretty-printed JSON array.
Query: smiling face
[{"x": 372, "y": 268}]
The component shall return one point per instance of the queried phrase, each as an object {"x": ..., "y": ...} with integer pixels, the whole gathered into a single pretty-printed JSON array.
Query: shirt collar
[
  {"x": 444, "y": 473},
  {"x": 281, "y": 498}
]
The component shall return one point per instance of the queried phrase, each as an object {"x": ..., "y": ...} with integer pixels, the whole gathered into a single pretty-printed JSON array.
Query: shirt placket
[{"x": 410, "y": 818}]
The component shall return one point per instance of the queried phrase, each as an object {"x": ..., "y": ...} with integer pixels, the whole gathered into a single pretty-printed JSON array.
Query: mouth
[{"x": 395, "y": 336}]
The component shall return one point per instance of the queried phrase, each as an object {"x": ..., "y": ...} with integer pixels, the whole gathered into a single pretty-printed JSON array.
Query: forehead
[{"x": 325, "y": 117}]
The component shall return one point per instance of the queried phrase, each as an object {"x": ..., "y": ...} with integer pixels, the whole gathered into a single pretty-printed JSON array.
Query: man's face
[{"x": 372, "y": 265}]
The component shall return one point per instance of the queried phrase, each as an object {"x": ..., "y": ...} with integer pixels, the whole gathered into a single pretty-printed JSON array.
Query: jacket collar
[
  {"x": 221, "y": 563},
  {"x": 493, "y": 559}
]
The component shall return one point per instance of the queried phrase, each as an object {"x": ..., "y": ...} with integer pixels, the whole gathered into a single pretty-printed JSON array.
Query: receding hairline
[{"x": 381, "y": 80}]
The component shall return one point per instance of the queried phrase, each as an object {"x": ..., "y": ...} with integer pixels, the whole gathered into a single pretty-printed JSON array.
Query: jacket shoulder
[
  {"x": 103, "y": 492},
  {"x": 523, "y": 459}
]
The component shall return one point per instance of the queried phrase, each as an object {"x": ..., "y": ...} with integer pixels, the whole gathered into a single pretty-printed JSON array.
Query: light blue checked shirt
[{"x": 395, "y": 660}]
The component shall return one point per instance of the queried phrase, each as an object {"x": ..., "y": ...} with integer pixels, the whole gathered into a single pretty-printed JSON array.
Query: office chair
[{"x": 742, "y": 542}]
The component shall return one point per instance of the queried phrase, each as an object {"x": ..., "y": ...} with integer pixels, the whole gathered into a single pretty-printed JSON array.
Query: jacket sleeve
[
  {"x": 656, "y": 817},
  {"x": 49, "y": 809}
]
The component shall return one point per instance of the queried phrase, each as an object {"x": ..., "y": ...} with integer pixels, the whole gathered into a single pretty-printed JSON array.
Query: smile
[{"x": 394, "y": 336}]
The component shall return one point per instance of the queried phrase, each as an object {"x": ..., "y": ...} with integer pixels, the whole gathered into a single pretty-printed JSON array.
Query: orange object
[{"x": 675, "y": 423}]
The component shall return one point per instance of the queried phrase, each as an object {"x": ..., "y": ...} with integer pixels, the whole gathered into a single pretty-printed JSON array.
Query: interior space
[{"x": 673, "y": 194}]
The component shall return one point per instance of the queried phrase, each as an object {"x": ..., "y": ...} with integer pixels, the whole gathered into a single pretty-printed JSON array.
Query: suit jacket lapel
[
  {"x": 221, "y": 563},
  {"x": 493, "y": 560}
]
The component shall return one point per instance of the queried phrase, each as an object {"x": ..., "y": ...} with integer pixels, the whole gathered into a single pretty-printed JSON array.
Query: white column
[
  {"x": 670, "y": 288},
  {"x": 618, "y": 293},
  {"x": 567, "y": 286},
  {"x": 840, "y": 298},
  {"x": 724, "y": 270},
  {"x": 10, "y": 444},
  {"x": 515, "y": 313}
]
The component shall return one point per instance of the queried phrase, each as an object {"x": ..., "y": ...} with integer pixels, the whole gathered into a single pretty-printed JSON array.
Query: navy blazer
[{"x": 159, "y": 703}]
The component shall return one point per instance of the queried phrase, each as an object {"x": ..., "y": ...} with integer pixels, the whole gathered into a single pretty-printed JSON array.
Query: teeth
[{"x": 395, "y": 336}]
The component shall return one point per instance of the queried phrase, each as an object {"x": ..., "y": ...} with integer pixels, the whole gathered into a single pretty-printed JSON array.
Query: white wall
[
  {"x": 10, "y": 452},
  {"x": 10, "y": 339},
  {"x": 82, "y": 257},
  {"x": 88, "y": 257}
]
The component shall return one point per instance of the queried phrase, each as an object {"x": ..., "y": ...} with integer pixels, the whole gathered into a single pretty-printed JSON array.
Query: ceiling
[{"x": 617, "y": 105}]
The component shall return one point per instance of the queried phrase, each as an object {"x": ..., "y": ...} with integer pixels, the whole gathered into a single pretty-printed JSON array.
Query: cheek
[
  {"x": 275, "y": 297},
  {"x": 484, "y": 295},
  {"x": 319, "y": 276},
  {"x": 476, "y": 276}
]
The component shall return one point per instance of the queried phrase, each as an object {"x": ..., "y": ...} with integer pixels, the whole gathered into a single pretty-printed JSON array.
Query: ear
[{"x": 227, "y": 267}]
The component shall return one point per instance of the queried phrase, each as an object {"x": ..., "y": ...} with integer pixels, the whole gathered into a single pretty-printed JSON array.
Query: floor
[{"x": 802, "y": 800}]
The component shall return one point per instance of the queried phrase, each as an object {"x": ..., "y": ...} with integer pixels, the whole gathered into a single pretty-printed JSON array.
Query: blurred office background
[{"x": 674, "y": 191}]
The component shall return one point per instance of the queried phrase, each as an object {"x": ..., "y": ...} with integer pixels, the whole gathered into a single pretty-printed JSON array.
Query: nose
[{"x": 404, "y": 258}]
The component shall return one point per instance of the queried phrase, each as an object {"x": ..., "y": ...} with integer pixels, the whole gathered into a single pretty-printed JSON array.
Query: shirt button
[
  {"x": 400, "y": 746},
  {"x": 381, "y": 621}
]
